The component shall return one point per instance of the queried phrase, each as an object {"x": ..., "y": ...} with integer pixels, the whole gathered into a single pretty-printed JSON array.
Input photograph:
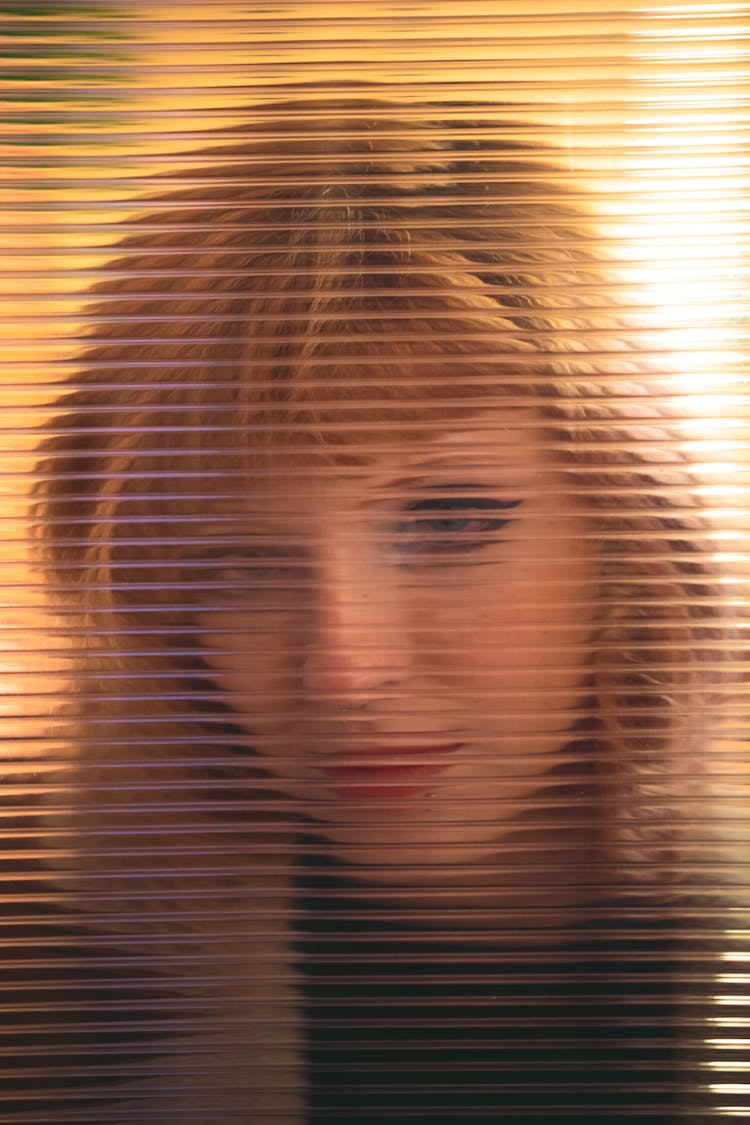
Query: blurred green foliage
[{"x": 77, "y": 42}]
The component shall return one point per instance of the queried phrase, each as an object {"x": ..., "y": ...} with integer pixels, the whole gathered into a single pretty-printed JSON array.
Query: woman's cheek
[{"x": 254, "y": 664}]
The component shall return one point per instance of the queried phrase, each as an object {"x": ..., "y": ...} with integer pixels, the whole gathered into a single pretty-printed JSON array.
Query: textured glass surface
[{"x": 374, "y": 475}]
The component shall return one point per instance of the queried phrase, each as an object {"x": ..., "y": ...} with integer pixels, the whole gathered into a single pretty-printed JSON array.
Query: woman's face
[{"x": 406, "y": 641}]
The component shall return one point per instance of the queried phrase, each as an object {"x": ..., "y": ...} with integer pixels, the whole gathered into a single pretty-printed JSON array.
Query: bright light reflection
[
  {"x": 687, "y": 213},
  {"x": 688, "y": 232}
]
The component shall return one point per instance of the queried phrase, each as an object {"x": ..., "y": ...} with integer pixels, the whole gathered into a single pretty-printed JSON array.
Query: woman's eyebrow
[
  {"x": 459, "y": 486},
  {"x": 431, "y": 483}
]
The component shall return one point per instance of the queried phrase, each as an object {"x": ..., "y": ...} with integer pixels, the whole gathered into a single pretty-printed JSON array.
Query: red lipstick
[{"x": 388, "y": 773}]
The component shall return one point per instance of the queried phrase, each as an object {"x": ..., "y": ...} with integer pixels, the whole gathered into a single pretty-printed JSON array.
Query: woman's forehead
[
  {"x": 505, "y": 447},
  {"x": 504, "y": 431}
]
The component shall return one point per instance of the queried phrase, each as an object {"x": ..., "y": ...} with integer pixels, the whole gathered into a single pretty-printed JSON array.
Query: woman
[{"x": 385, "y": 579}]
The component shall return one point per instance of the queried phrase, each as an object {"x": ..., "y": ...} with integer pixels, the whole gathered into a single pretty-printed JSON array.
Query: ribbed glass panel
[{"x": 374, "y": 477}]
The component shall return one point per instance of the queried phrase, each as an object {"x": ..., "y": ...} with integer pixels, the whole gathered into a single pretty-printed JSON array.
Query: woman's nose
[{"x": 357, "y": 644}]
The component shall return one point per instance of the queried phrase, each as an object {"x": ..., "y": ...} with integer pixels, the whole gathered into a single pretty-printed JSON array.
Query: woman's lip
[{"x": 388, "y": 773}]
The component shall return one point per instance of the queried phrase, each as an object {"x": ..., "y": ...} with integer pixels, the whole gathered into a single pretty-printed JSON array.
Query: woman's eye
[
  {"x": 248, "y": 575},
  {"x": 452, "y": 524}
]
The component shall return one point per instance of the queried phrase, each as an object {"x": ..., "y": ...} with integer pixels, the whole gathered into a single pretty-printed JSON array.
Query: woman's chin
[
  {"x": 415, "y": 842},
  {"x": 506, "y": 861},
  {"x": 469, "y": 891},
  {"x": 411, "y": 862}
]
